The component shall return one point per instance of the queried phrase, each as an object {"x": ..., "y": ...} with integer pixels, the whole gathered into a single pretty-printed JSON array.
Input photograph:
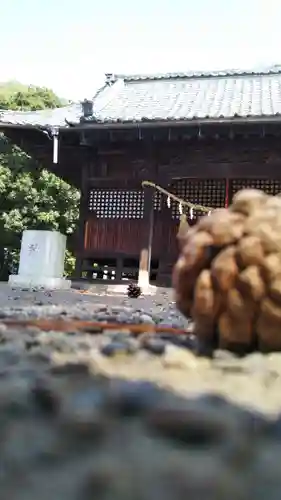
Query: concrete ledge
[{"x": 22, "y": 281}]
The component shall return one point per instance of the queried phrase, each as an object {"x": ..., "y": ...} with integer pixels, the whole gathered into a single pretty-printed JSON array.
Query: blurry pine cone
[
  {"x": 133, "y": 291},
  {"x": 228, "y": 275}
]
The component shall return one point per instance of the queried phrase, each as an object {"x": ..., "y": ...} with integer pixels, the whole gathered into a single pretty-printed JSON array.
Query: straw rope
[{"x": 182, "y": 202}]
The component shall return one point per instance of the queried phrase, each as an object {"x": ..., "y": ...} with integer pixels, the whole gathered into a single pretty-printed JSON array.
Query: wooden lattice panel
[
  {"x": 116, "y": 204},
  {"x": 209, "y": 193},
  {"x": 269, "y": 186},
  {"x": 157, "y": 199}
]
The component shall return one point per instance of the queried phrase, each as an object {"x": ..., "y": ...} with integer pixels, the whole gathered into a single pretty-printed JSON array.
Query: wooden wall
[
  {"x": 124, "y": 237},
  {"x": 204, "y": 172}
]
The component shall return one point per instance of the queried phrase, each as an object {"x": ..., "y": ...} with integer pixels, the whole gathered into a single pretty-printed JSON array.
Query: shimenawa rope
[{"x": 181, "y": 202}]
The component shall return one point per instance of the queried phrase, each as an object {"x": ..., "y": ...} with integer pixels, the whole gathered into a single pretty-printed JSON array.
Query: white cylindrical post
[{"x": 55, "y": 134}]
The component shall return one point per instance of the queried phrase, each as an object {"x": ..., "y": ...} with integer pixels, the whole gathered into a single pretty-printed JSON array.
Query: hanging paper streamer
[
  {"x": 209, "y": 213},
  {"x": 169, "y": 202},
  {"x": 55, "y": 133},
  {"x": 180, "y": 209},
  {"x": 191, "y": 213},
  {"x": 183, "y": 226}
]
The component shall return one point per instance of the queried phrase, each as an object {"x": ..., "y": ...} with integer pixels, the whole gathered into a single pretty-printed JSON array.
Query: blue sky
[{"x": 69, "y": 44}]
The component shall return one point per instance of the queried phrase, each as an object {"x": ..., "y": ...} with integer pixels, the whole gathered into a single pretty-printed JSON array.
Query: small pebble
[
  {"x": 9, "y": 356},
  {"x": 187, "y": 341},
  {"x": 190, "y": 426},
  {"x": 44, "y": 398},
  {"x": 70, "y": 368},
  {"x": 119, "y": 336},
  {"x": 132, "y": 398},
  {"x": 177, "y": 357},
  {"x": 155, "y": 346},
  {"x": 81, "y": 411},
  {"x": 116, "y": 349},
  {"x": 31, "y": 343},
  {"x": 145, "y": 318}
]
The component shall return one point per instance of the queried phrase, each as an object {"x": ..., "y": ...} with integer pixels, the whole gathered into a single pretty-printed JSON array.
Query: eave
[{"x": 72, "y": 127}]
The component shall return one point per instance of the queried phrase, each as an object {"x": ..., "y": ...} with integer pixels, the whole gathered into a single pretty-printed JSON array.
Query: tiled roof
[
  {"x": 177, "y": 97},
  {"x": 221, "y": 95},
  {"x": 58, "y": 117}
]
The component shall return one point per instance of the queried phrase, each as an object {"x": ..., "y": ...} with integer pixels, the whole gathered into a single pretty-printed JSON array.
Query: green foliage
[
  {"x": 69, "y": 263},
  {"x": 31, "y": 197},
  {"x": 16, "y": 96}
]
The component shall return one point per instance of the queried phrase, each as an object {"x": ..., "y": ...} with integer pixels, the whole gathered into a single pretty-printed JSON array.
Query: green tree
[
  {"x": 16, "y": 96},
  {"x": 31, "y": 197}
]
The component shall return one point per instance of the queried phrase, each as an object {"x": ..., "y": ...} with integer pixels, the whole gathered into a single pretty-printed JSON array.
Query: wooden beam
[
  {"x": 114, "y": 183},
  {"x": 258, "y": 170}
]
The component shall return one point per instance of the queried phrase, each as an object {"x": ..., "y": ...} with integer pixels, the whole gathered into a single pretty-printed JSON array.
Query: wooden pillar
[
  {"x": 119, "y": 269},
  {"x": 226, "y": 204},
  {"x": 147, "y": 239},
  {"x": 168, "y": 255},
  {"x": 81, "y": 222}
]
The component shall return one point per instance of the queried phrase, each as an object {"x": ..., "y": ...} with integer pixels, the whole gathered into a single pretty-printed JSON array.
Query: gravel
[
  {"x": 115, "y": 416},
  {"x": 72, "y": 434}
]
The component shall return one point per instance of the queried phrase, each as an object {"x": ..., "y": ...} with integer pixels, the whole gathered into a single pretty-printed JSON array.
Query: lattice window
[
  {"x": 157, "y": 201},
  {"x": 116, "y": 204},
  {"x": 270, "y": 186},
  {"x": 210, "y": 192}
]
